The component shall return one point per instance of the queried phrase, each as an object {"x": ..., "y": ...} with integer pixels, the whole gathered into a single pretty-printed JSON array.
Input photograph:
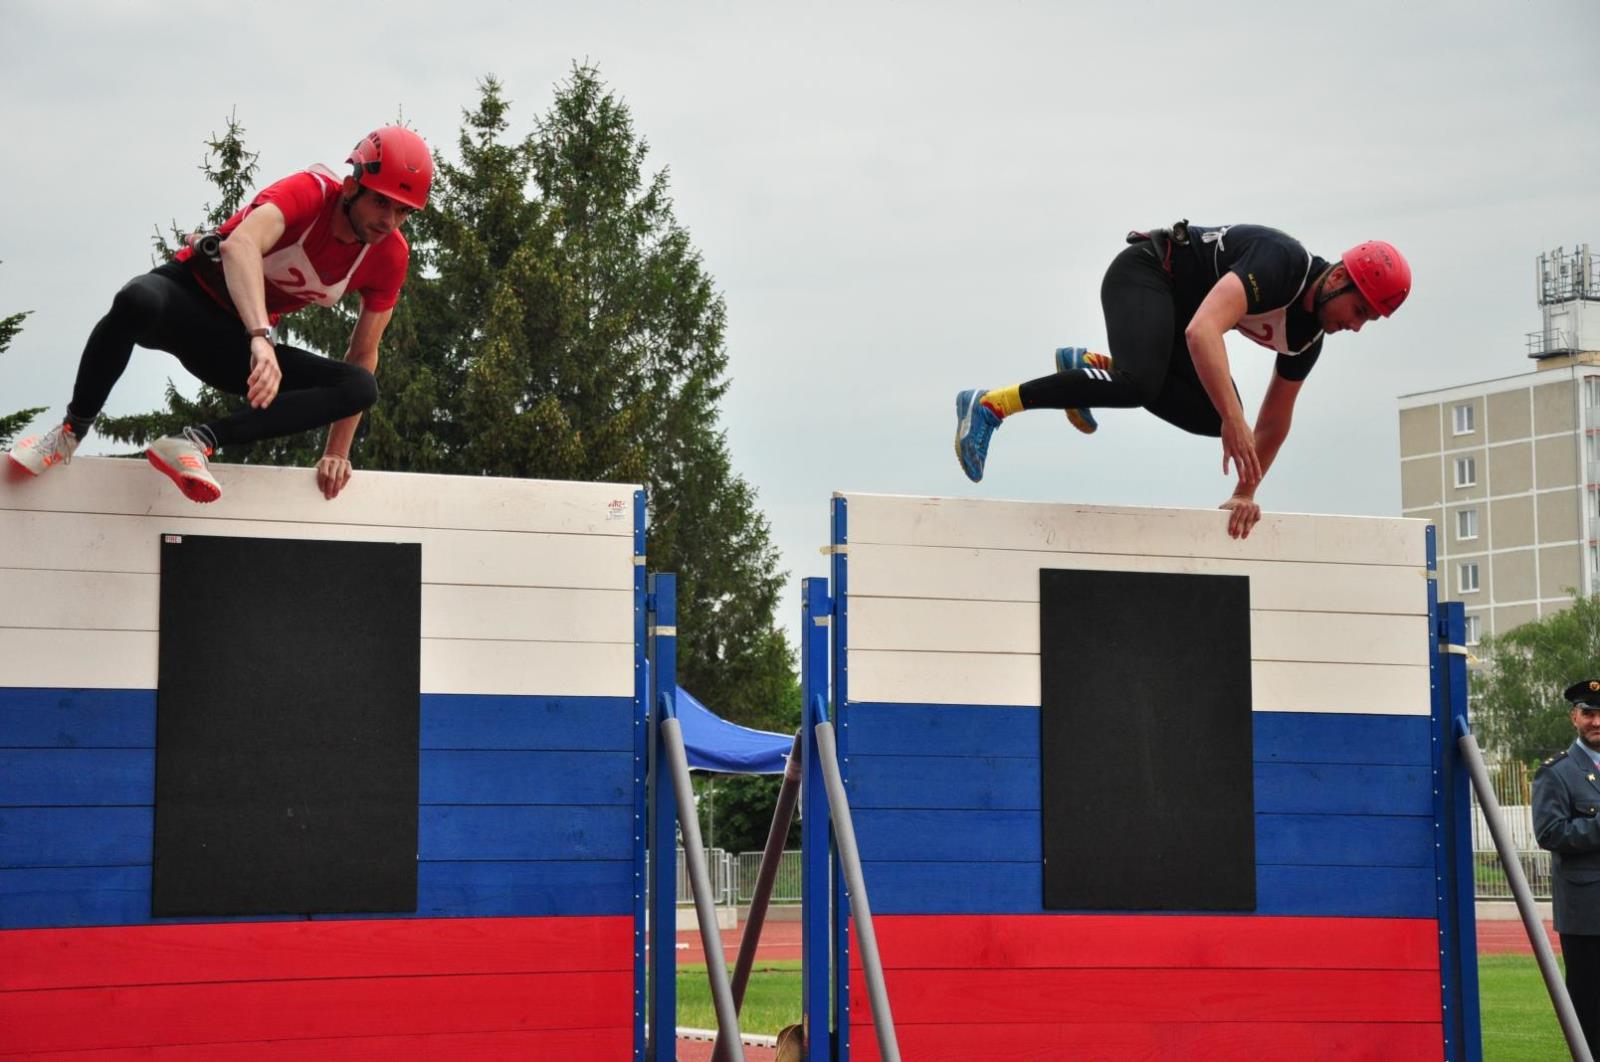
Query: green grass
[
  {"x": 771, "y": 1001},
  {"x": 1518, "y": 1022}
]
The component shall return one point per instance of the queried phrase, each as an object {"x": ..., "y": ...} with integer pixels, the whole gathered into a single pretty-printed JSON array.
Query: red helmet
[
  {"x": 395, "y": 162},
  {"x": 1380, "y": 273}
]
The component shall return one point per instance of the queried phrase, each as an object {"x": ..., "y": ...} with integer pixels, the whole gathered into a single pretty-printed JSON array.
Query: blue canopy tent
[{"x": 714, "y": 744}]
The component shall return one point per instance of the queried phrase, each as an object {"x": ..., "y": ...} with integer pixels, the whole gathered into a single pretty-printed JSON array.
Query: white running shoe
[
  {"x": 35, "y": 453},
  {"x": 183, "y": 459}
]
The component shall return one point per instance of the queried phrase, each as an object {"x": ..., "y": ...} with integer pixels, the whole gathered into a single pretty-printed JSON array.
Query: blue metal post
[
  {"x": 840, "y": 570},
  {"x": 663, "y": 827},
  {"x": 1454, "y": 884},
  {"x": 816, "y": 832},
  {"x": 641, "y": 756}
]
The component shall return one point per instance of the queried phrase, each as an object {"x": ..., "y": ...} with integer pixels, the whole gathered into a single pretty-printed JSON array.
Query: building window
[
  {"x": 1464, "y": 419},
  {"x": 1466, "y": 471},
  {"x": 1467, "y": 524},
  {"x": 1474, "y": 629},
  {"x": 1467, "y": 578},
  {"x": 1591, "y": 391}
]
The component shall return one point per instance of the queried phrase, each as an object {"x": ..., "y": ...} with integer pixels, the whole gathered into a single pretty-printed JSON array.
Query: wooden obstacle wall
[
  {"x": 527, "y": 932},
  {"x": 937, "y": 642}
]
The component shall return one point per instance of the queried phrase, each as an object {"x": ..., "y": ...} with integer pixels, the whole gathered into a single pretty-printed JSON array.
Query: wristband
[{"x": 261, "y": 333}]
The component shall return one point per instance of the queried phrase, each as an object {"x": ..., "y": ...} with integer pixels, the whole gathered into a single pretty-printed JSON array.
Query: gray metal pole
[
  {"x": 771, "y": 857},
  {"x": 694, "y": 854},
  {"x": 844, "y": 836},
  {"x": 1524, "y": 896}
]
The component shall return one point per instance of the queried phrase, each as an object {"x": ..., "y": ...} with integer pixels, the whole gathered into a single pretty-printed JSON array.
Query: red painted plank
[
  {"x": 463, "y": 1047},
  {"x": 1219, "y": 1042},
  {"x": 1112, "y": 995},
  {"x": 88, "y": 1018},
  {"x": 267, "y": 951},
  {"x": 1165, "y": 941}
]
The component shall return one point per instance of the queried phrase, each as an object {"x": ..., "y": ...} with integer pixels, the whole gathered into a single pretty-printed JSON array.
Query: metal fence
[
  {"x": 1513, "y": 789},
  {"x": 733, "y": 877}
]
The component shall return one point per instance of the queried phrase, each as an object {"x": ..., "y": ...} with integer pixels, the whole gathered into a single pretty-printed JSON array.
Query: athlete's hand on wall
[
  {"x": 333, "y": 472},
  {"x": 264, "y": 373},
  {"x": 1243, "y": 512}
]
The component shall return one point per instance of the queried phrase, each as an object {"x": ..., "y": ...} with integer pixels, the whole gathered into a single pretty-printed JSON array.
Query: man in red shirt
[{"x": 310, "y": 237}]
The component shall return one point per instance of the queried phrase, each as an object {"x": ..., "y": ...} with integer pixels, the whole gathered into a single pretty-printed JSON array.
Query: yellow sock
[{"x": 1004, "y": 400}]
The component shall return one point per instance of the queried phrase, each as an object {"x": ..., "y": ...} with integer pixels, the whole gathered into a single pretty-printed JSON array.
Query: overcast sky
[{"x": 897, "y": 200}]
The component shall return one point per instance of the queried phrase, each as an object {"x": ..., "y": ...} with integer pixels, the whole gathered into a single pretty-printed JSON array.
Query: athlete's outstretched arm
[
  {"x": 1272, "y": 428},
  {"x": 333, "y": 470},
  {"x": 242, "y": 253},
  {"x": 1221, "y": 309}
]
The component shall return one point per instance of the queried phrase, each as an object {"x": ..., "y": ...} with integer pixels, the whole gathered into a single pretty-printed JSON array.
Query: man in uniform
[
  {"x": 310, "y": 237},
  {"x": 1168, "y": 299},
  {"x": 1566, "y": 821}
]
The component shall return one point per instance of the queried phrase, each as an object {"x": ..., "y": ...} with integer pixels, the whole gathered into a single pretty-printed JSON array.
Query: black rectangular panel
[
  {"x": 287, "y": 727},
  {"x": 1146, "y": 741}
]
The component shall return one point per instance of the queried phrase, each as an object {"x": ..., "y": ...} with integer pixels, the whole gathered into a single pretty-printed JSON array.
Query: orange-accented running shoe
[
  {"x": 36, "y": 453},
  {"x": 183, "y": 459}
]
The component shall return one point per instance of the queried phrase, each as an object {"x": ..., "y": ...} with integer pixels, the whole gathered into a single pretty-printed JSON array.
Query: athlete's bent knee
[{"x": 360, "y": 389}]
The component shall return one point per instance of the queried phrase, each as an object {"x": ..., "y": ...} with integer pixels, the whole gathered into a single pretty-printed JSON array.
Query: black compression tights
[
  {"x": 165, "y": 309},
  {"x": 1150, "y": 363}
]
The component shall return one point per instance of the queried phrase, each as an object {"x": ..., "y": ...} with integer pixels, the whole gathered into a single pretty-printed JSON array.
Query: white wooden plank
[
  {"x": 121, "y": 543},
  {"x": 979, "y": 626},
  {"x": 132, "y": 601},
  {"x": 129, "y": 660},
  {"x": 1338, "y": 638},
  {"x": 1013, "y": 679},
  {"x": 74, "y": 659},
  {"x": 1066, "y": 528},
  {"x": 1013, "y": 575},
  {"x": 374, "y": 499},
  {"x": 566, "y": 669}
]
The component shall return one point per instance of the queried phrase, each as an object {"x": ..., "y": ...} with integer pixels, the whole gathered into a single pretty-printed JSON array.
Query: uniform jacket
[{"x": 1566, "y": 821}]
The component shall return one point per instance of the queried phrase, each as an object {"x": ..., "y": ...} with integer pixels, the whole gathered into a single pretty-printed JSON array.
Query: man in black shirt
[{"x": 1168, "y": 298}]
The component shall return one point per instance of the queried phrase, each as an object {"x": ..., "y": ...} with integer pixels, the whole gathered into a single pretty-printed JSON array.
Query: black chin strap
[
  {"x": 345, "y": 204},
  {"x": 1322, "y": 295}
]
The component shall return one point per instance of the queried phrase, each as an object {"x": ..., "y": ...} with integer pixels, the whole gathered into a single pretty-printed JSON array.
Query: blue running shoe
[
  {"x": 975, "y": 422},
  {"x": 1069, "y": 358}
]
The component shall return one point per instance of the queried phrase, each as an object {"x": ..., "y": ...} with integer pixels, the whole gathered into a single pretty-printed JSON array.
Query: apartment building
[{"x": 1508, "y": 470}]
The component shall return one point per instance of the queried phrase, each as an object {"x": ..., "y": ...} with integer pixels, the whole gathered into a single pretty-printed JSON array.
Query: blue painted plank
[
  {"x": 87, "y": 896},
  {"x": 463, "y": 721},
  {"x": 496, "y": 776},
  {"x": 1016, "y": 888},
  {"x": 46, "y": 776},
  {"x": 941, "y": 730},
  {"x": 586, "y": 887},
  {"x": 495, "y": 832},
  {"x": 999, "y": 730},
  {"x": 1337, "y": 737},
  {"x": 899, "y": 835},
  {"x": 996, "y": 782},
  {"x": 108, "y": 896},
  {"x": 1343, "y": 789},
  {"x": 75, "y": 837},
  {"x": 35, "y": 717},
  {"x": 81, "y": 837},
  {"x": 1366, "y": 892},
  {"x": 68, "y": 718},
  {"x": 1345, "y": 840},
  {"x": 1332, "y": 788},
  {"x": 948, "y": 836}
]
